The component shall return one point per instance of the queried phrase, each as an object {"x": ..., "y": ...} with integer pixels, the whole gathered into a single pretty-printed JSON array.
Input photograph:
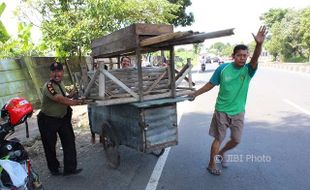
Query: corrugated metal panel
[
  {"x": 144, "y": 129},
  {"x": 161, "y": 125},
  {"x": 125, "y": 120}
]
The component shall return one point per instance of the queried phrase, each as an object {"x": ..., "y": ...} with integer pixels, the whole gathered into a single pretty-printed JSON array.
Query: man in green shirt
[
  {"x": 233, "y": 79},
  {"x": 55, "y": 118}
]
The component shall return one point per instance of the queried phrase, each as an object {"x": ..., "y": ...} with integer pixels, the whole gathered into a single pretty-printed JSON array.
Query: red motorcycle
[{"x": 15, "y": 166}]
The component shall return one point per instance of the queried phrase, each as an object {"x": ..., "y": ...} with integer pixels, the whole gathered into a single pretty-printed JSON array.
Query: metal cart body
[
  {"x": 145, "y": 126},
  {"x": 137, "y": 107}
]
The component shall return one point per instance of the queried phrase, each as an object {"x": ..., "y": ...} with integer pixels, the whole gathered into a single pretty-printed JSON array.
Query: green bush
[{"x": 297, "y": 59}]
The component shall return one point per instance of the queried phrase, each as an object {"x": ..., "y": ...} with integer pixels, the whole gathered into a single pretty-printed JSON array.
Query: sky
[
  {"x": 8, "y": 18},
  {"x": 243, "y": 15},
  {"x": 210, "y": 15}
]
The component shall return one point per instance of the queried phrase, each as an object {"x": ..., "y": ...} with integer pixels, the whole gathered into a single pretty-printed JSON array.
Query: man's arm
[
  {"x": 51, "y": 93},
  {"x": 66, "y": 101},
  {"x": 201, "y": 90},
  {"x": 259, "y": 39}
]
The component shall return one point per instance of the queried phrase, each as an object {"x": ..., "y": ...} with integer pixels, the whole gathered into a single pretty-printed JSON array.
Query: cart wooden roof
[{"x": 148, "y": 38}]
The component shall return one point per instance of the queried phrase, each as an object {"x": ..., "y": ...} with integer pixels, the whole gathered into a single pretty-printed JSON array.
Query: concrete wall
[
  {"x": 25, "y": 77},
  {"x": 296, "y": 67}
]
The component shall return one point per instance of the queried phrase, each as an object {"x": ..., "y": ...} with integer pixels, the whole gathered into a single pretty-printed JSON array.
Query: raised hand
[{"x": 261, "y": 35}]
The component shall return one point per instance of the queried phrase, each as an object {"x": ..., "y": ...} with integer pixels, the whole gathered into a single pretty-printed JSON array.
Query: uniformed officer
[{"x": 55, "y": 118}]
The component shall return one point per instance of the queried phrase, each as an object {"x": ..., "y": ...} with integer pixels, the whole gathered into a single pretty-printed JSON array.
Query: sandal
[
  {"x": 214, "y": 171},
  {"x": 224, "y": 163}
]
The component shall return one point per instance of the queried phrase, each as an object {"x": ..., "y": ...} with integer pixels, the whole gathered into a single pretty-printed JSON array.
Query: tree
[
  {"x": 274, "y": 44},
  {"x": 197, "y": 48},
  {"x": 20, "y": 46},
  {"x": 217, "y": 48},
  {"x": 221, "y": 49},
  {"x": 182, "y": 18},
  {"x": 273, "y": 16},
  {"x": 69, "y": 26},
  {"x": 292, "y": 38},
  {"x": 304, "y": 30},
  {"x": 286, "y": 37},
  {"x": 4, "y": 36}
]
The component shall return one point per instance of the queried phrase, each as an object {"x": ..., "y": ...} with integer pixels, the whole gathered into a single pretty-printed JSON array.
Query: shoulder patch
[{"x": 51, "y": 89}]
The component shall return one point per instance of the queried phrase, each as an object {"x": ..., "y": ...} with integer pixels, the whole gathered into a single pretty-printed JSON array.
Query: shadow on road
[{"x": 283, "y": 141}]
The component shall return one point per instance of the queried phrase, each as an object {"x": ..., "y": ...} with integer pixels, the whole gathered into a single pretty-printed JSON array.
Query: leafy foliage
[
  {"x": 20, "y": 46},
  {"x": 197, "y": 47},
  {"x": 273, "y": 16},
  {"x": 4, "y": 36},
  {"x": 182, "y": 18},
  {"x": 304, "y": 30},
  {"x": 289, "y": 29},
  {"x": 69, "y": 26},
  {"x": 221, "y": 49},
  {"x": 183, "y": 54}
]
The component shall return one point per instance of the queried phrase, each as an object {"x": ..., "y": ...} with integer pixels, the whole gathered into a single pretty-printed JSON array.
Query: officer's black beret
[{"x": 56, "y": 66}]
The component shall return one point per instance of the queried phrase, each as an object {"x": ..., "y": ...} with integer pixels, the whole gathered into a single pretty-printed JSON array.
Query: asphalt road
[{"x": 273, "y": 154}]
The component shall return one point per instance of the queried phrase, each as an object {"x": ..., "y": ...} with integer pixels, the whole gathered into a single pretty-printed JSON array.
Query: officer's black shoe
[
  {"x": 74, "y": 172},
  {"x": 56, "y": 173}
]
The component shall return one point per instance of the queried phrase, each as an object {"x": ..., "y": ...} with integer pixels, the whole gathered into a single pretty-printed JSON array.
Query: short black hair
[
  {"x": 56, "y": 66},
  {"x": 240, "y": 47},
  {"x": 125, "y": 57}
]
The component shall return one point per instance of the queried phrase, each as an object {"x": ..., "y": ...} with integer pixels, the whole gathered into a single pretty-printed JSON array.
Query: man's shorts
[{"x": 221, "y": 121}]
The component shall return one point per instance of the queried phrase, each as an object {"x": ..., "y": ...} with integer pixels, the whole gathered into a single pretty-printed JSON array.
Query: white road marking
[
  {"x": 153, "y": 182},
  {"x": 296, "y": 106},
  {"x": 154, "y": 179}
]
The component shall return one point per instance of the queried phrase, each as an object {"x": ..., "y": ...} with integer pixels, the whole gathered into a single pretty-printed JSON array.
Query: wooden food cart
[{"x": 136, "y": 107}]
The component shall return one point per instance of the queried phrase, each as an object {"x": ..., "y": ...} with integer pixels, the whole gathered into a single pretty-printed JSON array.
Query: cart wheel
[
  {"x": 158, "y": 152},
  {"x": 110, "y": 145}
]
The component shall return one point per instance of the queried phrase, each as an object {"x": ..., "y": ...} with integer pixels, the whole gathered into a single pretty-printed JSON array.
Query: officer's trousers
[{"x": 49, "y": 128}]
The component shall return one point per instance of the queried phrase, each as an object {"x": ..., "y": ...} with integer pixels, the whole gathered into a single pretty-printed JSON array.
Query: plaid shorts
[{"x": 221, "y": 121}]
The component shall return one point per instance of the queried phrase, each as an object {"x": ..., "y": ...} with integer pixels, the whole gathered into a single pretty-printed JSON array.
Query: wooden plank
[
  {"x": 71, "y": 75},
  {"x": 163, "y": 38},
  {"x": 104, "y": 101},
  {"x": 183, "y": 75},
  {"x": 172, "y": 69},
  {"x": 156, "y": 82},
  {"x": 91, "y": 83},
  {"x": 115, "y": 43},
  {"x": 180, "y": 73},
  {"x": 101, "y": 80},
  {"x": 115, "y": 101},
  {"x": 134, "y": 87},
  {"x": 152, "y": 29},
  {"x": 127, "y": 32},
  {"x": 124, "y": 40},
  {"x": 195, "y": 38},
  {"x": 189, "y": 79},
  {"x": 113, "y": 48},
  {"x": 159, "y": 102},
  {"x": 184, "y": 92},
  {"x": 157, "y": 91},
  {"x": 120, "y": 83},
  {"x": 84, "y": 76},
  {"x": 185, "y": 88},
  {"x": 133, "y": 82},
  {"x": 157, "y": 96}
]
